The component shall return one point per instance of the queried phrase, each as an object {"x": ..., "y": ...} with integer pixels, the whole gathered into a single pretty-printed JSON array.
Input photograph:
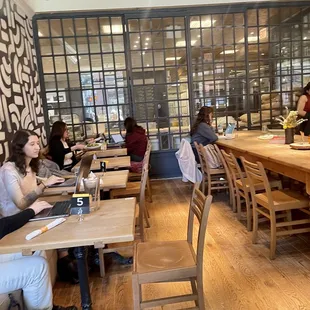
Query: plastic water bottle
[{"x": 219, "y": 129}]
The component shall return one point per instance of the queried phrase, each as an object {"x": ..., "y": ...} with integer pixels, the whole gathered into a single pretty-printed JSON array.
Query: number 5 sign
[{"x": 80, "y": 204}]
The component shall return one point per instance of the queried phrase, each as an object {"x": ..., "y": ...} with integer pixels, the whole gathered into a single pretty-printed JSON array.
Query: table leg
[{"x": 80, "y": 254}]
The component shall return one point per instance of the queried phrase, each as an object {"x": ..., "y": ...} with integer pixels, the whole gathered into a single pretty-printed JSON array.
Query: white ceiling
[{"x": 82, "y": 5}]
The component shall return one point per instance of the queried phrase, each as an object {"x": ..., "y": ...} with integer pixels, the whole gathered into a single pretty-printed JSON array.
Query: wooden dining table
[
  {"x": 111, "y": 163},
  {"x": 108, "y": 153},
  {"x": 109, "y": 180},
  {"x": 113, "y": 221},
  {"x": 279, "y": 158}
]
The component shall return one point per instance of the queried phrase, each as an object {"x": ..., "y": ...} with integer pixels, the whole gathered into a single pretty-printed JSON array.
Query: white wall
[{"x": 84, "y": 5}]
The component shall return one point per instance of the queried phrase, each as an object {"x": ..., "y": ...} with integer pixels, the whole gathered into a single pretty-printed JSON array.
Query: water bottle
[{"x": 219, "y": 129}]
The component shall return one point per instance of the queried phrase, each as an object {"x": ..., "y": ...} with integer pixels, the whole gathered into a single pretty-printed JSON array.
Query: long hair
[
  {"x": 306, "y": 89},
  {"x": 202, "y": 117},
  {"x": 58, "y": 131},
  {"x": 20, "y": 139},
  {"x": 130, "y": 124}
]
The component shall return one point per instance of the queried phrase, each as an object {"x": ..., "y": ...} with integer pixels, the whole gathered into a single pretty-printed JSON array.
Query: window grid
[{"x": 273, "y": 64}]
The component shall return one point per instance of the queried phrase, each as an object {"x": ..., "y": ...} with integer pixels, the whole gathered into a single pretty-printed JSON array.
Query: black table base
[{"x": 80, "y": 254}]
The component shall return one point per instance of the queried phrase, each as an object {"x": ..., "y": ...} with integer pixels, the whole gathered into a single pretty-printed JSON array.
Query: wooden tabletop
[
  {"x": 112, "y": 222},
  {"x": 279, "y": 158},
  {"x": 111, "y": 162},
  {"x": 108, "y": 153},
  {"x": 110, "y": 180}
]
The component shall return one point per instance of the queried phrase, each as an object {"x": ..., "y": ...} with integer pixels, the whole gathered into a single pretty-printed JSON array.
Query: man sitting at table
[{"x": 28, "y": 273}]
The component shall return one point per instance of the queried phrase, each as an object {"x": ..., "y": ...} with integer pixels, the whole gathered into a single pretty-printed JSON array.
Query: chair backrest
[
  {"x": 199, "y": 207},
  {"x": 142, "y": 200},
  {"x": 202, "y": 158},
  {"x": 256, "y": 172},
  {"x": 233, "y": 166},
  {"x": 222, "y": 160}
]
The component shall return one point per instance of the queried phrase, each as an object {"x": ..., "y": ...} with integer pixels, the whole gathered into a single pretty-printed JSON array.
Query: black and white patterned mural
[{"x": 20, "y": 94}]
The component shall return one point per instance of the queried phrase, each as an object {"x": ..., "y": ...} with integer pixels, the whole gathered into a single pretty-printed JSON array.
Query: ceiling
[{"x": 82, "y": 5}]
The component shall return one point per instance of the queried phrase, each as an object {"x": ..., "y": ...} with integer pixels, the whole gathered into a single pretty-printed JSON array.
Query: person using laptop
[
  {"x": 60, "y": 150},
  {"x": 135, "y": 140},
  {"x": 18, "y": 183},
  {"x": 28, "y": 273},
  {"x": 19, "y": 189}
]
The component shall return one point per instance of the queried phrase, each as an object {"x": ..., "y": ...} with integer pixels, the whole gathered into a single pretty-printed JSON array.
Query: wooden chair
[
  {"x": 242, "y": 186},
  {"x": 229, "y": 179},
  {"x": 216, "y": 179},
  {"x": 268, "y": 203},
  {"x": 139, "y": 233},
  {"x": 136, "y": 176},
  {"x": 174, "y": 261},
  {"x": 133, "y": 188}
]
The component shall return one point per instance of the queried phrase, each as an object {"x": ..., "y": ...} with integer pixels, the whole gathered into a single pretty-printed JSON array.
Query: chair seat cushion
[
  {"x": 132, "y": 188},
  {"x": 136, "y": 167},
  {"x": 164, "y": 255},
  {"x": 283, "y": 200}
]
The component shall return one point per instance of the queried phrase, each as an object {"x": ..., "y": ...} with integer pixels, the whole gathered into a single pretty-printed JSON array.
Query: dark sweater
[
  {"x": 57, "y": 152},
  {"x": 136, "y": 142},
  {"x": 204, "y": 135},
  {"x": 11, "y": 223}
]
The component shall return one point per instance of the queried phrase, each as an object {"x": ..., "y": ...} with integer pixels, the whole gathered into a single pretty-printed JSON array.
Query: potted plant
[{"x": 289, "y": 123}]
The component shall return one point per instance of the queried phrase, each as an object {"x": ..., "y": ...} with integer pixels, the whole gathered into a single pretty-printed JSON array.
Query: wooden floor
[{"x": 237, "y": 274}]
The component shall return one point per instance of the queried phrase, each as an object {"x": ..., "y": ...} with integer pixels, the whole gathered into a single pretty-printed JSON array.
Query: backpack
[{"x": 213, "y": 158}]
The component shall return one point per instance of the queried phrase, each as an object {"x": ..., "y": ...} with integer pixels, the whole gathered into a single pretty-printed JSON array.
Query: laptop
[
  {"x": 117, "y": 138},
  {"x": 62, "y": 208}
]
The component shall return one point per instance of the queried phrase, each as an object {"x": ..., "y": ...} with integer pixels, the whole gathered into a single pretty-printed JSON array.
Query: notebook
[{"x": 62, "y": 208}]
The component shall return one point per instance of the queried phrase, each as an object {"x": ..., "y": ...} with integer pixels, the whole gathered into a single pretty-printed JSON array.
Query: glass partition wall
[{"x": 97, "y": 70}]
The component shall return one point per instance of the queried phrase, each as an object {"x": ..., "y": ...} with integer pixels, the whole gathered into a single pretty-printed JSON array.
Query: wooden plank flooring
[{"x": 237, "y": 274}]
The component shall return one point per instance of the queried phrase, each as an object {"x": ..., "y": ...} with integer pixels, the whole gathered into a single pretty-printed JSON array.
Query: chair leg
[
  {"x": 146, "y": 219},
  {"x": 255, "y": 224},
  {"x": 101, "y": 263},
  {"x": 147, "y": 211},
  {"x": 203, "y": 184},
  {"x": 238, "y": 205},
  {"x": 136, "y": 290},
  {"x": 289, "y": 218},
  {"x": 194, "y": 289},
  {"x": 209, "y": 185},
  {"x": 149, "y": 190},
  {"x": 233, "y": 198},
  {"x": 248, "y": 212},
  {"x": 273, "y": 235},
  {"x": 201, "y": 302}
]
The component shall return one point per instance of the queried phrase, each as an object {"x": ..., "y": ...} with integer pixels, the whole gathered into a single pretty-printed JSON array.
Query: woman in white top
[
  {"x": 18, "y": 183},
  {"x": 59, "y": 151}
]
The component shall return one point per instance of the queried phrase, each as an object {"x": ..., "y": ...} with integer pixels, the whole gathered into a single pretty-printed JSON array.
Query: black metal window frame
[{"x": 187, "y": 13}]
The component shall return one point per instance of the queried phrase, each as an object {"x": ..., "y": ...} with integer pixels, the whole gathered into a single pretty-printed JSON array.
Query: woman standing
[
  {"x": 60, "y": 151},
  {"x": 18, "y": 183},
  {"x": 303, "y": 109}
]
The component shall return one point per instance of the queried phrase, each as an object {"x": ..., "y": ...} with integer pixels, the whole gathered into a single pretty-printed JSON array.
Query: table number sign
[{"x": 80, "y": 204}]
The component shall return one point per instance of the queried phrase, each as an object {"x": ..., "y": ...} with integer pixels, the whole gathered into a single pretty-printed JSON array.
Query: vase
[{"x": 289, "y": 135}]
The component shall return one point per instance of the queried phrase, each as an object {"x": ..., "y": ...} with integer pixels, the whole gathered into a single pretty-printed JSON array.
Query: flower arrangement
[{"x": 290, "y": 121}]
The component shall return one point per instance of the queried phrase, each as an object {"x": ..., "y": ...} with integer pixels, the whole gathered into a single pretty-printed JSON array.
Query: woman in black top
[{"x": 60, "y": 151}]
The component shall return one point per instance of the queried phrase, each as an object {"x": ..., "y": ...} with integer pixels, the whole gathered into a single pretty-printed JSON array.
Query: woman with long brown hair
[
  {"x": 202, "y": 131},
  {"x": 18, "y": 183}
]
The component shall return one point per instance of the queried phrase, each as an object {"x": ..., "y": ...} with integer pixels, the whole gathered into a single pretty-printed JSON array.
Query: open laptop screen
[{"x": 117, "y": 138}]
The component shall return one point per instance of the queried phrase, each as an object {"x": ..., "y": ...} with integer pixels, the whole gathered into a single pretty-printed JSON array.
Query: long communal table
[{"x": 279, "y": 158}]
